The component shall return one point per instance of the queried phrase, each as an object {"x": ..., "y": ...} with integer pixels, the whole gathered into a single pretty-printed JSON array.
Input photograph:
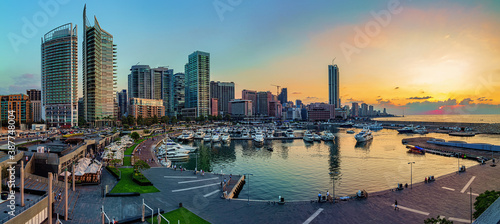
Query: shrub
[
  {"x": 114, "y": 171},
  {"x": 140, "y": 179}
]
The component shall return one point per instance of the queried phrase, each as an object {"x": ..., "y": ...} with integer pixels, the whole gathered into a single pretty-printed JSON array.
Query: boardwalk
[{"x": 147, "y": 148}]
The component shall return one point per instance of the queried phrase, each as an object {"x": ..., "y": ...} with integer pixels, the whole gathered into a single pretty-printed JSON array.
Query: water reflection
[{"x": 363, "y": 145}]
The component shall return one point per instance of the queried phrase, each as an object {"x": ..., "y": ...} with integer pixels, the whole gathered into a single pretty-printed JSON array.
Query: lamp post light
[
  {"x": 247, "y": 175},
  {"x": 333, "y": 183},
  {"x": 411, "y": 174}
]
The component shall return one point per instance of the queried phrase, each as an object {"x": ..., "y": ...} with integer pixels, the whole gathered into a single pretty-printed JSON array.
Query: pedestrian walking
[{"x": 396, "y": 205}]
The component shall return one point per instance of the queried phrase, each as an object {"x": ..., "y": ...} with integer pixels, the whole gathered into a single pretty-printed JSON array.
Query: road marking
[
  {"x": 191, "y": 181},
  {"x": 313, "y": 216},
  {"x": 179, "y": 177},
  {"x": 191, "y": 188},
  {"x": 211, "y": 193},
  {"x": 473, "y": 194},
  {"x": 468, "y": 183},
  {"x": 447, "y": 188},
  {"x": 412, "y": 210},
  {"x": 459, "y": 220}
]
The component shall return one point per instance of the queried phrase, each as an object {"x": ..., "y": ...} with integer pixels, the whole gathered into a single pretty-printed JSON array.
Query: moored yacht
[
  {"x": 207, "y": 137},
  {"x": 327, "y": 136},
  {"x": 225, "y": 138},
  {"x": 316, "y": 137},
  {"x": 289, "y": 133},
  {"x": 308, "y": 137},
  {"x": 258, "y": 138},
  {"x": 216, "y": 138}
]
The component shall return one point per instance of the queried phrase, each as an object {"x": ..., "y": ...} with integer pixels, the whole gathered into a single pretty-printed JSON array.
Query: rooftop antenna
[
  {"x": 333, "y": 61},
  {"x": 137, "y": 63}
]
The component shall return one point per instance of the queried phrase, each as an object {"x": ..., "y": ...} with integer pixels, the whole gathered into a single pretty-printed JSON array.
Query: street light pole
[{"x": 411, "y": 174}]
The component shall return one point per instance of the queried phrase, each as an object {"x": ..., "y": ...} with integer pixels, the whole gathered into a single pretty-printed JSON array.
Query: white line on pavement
[
  {"x": 473, "y": 194},
  {"x": 191, "y": 181},
  {"x": 191, "y": 188},
  {"x": 412, "y": 210},
  {"x": 179, "y": 177},
  {"x": 211, "y": 193},
  {"x": 468, "y": 183},
  {"x": 447, "y": 188},
  {"x": 313, "y": 216},
  {"x": 459, "y": 220}
]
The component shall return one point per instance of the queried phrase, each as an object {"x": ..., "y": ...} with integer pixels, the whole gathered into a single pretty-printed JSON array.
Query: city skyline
[{"x": 433, "y": 59}]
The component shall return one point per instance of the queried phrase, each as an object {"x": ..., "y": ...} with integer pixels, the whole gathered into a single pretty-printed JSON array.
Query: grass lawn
[
  {"x": 182, "y": 214},
  {"x": 130, "y": 149},
  {"x": 127, "y": 185},
  {"x": 126, "y": 161}
]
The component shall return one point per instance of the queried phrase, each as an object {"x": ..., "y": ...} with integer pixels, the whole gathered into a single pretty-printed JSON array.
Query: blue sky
[{"x": 256, "y": 43}]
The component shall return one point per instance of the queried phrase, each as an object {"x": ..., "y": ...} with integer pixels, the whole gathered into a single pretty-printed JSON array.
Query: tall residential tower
[
  {"x": 333, "y": 85},
  {"x": 224, "y": 93},
  {"x": 99, "y": 77},
  {"x": 198, "y": 83},
  {"x": 60, "y": 76}
]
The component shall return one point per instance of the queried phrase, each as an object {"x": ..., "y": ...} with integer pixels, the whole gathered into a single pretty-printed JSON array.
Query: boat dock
[
  {"x": 250, "y": 138},
  {"x": 233, "y": 187},
  {"x": 448, "y": 150}
]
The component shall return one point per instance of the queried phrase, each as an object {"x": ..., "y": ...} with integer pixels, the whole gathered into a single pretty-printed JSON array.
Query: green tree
[
  {"x": 164, "y": 119},
  {"x": 131, "y": 120},
  {"x": 81, "y": 121},
  {"x": 219, "y": 117},
  {"x": 227, "y": 117},
  {"x": 140, "y": 120},
  {"x": 126, "y": 126},
  {"x": 134, "y": 135},
  {"x": 146, "y": 131},
  {"x": 140, "y": 165},
  {"x": 188, "y": 119},
  {"x": 115, "y": 161},
  {"x": 155, "y": 120},
  {"x": 174, "y": 120},
  {"x": 437, "y": 220},
  {"x": 483, "y": 201}
]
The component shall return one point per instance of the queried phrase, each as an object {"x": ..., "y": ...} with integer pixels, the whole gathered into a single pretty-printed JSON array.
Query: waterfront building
[
  {"x": 355, "y": 109},
  {"x": 320, "y": 112},
  {"x": 122, "y": 97},
  {"x": 59, "y": 74},
  {"x": 179, "y": 92},
  {"x": 197, "y": 79},
  {"x": 333, "y": 85},
  {"x": 293, "y": 113},
  {"x": 283, "y": 96},
  {"x": 35, "y": 96},
  {"x": 263, "y": 99},
  {"x": 371, "y": 113},
  {"x": 304, "y": 114},
  {"x": 364, "y": 110},
  {"x": 214, "y": 106},
  {"x": 275, "y": 109},
  {"x": 146, "y": 108},
  {"x": 224, "y": 92},
  {"x": 240, "y": 108},
  {"x": 80, "y": 108},
  {"x": 20, "y": 104},
  {"x": 99, "y": 77},
  {"x": 252, "y": 96}
]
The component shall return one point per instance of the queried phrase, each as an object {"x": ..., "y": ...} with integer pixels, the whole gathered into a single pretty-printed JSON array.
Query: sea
[{"x": 455, "y": 118}]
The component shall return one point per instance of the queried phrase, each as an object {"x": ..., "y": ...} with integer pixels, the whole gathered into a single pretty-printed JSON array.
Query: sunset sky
[{"x": 429, "y": 57}]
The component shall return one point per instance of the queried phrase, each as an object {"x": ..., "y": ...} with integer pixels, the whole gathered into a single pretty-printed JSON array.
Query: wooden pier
[{"x": 234, "y": 187}]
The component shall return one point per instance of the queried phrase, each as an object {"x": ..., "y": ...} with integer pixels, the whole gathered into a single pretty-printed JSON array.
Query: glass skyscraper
[
  {"x": 198, "y": 83},
  {"x": 99, "y": 77},
  {"x": 333, "y": 85},
  {"x": 224, "y": 92},
  {"x": 179, "y": 92},
  {"x": 60, "y": 76}
]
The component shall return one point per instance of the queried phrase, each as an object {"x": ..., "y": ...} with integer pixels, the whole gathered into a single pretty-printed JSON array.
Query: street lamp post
[
  {"x": 247, "y": 175},
  {"x": 411, "y": 174},
  {"x": 333, "y": 184}
]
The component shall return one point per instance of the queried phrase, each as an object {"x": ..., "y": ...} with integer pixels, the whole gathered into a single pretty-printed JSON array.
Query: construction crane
[{"x": 277, "y": 89}]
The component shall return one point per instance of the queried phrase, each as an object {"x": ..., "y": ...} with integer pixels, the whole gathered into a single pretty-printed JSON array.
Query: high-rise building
[
  {"x": 320, "y": 112},
  {"x": 333, "y": 85},
  {"x": 240, "y": 108},
  {"x": 214, "y": 106},
  {"x": 122, "y": 97},
  {"x": 179, "y": 92},
  {"x": 355, "y": 109},
  {"x": 263, "y": 99},
  {"x": 35, "y": 96},
  {"x": 99, "y": 77},
  {"x": 80, "y": 108},
  {"x": 60, "y": 76},
  {"x": 198, "y": 82},
  {"x": 152, "y": 83},
  {"x": 224, "y": 92},
  {"x": 283, "y": 96},
  {"x": 370, "y": 111},
  {"x": 19, "y": 105},
  {"x": 252, "y": 96},
  {"x": 364, "y": 110},
  {"x": 298, "y": 103}
]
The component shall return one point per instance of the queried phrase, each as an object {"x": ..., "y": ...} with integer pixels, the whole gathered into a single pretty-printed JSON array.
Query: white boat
[
  {"x": 376, "y": 126},
  {"x": 289, "y": 133},
  {"x": 408, "y": 129},
  {"x": 175, "y": 156},
  {"x": 216, "y": 138},
  {"x": 350, "y": 132},
  {"x": 316, "y": 137},
  {"x": 200, "y": 134},
  {"x": 421, "y": 130},
  {"x": 207, "y": 137},
  {"x": 225, "y": 138},
  {"x": 259, "y": 138},
  {"x": 187, "y": 135},
  {"x": 308, "y": 137},
  {"x": 364, "y": 135},
  {"x": 327, "y": 136}
]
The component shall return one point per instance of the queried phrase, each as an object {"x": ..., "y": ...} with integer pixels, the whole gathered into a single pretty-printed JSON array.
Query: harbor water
[{"x": 297, "y": 170}]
